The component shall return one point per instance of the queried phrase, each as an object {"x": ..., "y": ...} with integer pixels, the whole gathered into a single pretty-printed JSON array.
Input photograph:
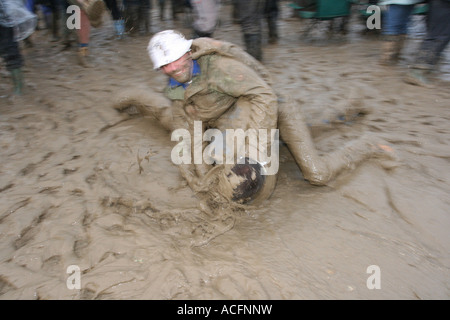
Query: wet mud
[{"x": 82, "y": 184}]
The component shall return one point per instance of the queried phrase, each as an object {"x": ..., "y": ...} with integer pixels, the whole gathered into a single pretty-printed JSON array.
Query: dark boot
[
  {"x": 161, "y": 10},
  {"x": 253, "y": 45},
  {"x": 145, "y": 21},
  {"x": 55, "y": 25},
  {"x": 273, "y": 30}
]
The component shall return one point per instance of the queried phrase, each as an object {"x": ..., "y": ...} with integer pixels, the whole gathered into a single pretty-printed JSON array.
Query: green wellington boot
[{"x": 17, "y": 78}]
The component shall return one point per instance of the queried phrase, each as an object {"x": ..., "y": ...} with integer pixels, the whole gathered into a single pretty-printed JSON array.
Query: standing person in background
[
  {"x": 235, "y": 11},
  {"x": 116, "y": 15},
  {"x": 251, "y": 13},
  {"x": 10, "y": 13},
  {"x": 131, "y": 13},
  {"x": 206, "y": 17},
  {"x": 395, "y": 28},
  {"x": 162, "y": 6},
  {"x": 435, "y": 42},
  {"x": 56, "y": 9},
  {"x": 91, "y": 12},
  {"x": 271, "y": 12},
  {"x": 84, "y": 34},
  {"x": 144, "y": 16},
  {"x": 137, "y": 16},
  {"x": 177, "y": 7}
]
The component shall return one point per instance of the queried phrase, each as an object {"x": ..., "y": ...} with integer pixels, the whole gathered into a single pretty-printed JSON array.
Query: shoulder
[{"x": 227, "y": 68}]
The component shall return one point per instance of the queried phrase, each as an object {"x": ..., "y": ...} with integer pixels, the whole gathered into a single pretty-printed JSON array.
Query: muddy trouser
[
  {"x": 9, "y": 49},
  {"x": 144, "y": 14},
  {"x": 250, "y": 13},
  {"x": 437, "y": 36},
  {"x": 271, "y": 12},
  {"x": 319, "y": 169}
]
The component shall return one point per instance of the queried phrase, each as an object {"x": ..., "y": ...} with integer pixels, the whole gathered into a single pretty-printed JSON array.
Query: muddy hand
[
  {"x": 134, "y": 101},
  {"x": 128, "y": 105}
]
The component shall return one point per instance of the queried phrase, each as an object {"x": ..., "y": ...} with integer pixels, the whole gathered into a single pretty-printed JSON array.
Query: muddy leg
[{"x": 317, "y": 169}]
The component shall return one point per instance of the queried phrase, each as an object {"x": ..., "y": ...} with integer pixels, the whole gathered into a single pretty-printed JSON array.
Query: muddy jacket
[
  {"x": 232, "y": 91},
  {"x": 228, "y": 77}
]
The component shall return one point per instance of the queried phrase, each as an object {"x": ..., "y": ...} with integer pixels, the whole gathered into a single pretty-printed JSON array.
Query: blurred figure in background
[
  {"x": 116, "y": 15},
  {"x": 435, "y": 42},
  {"x": 235, "y": 11},
  {"x": 91, "y": 12},
  {"x": 177, "y": 6},
  {"x": 395, "y": 28},
  {"x": 16, "y": 23},
  {"x": 251, "y": 13},
  {"x": 206, "y": 17},
  {"x": 271, "y": 13},
  {"x": 137, "y": 16}
]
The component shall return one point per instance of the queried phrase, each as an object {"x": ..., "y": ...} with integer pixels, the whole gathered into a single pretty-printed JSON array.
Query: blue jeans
[{"x": 396, "y": 18}]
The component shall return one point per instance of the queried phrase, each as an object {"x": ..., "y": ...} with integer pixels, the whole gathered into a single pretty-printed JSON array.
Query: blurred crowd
[{"x": 20, "y": 18}]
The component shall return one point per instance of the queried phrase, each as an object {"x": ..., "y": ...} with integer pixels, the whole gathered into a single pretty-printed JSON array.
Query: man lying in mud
[{"x": 215, "y": 85}]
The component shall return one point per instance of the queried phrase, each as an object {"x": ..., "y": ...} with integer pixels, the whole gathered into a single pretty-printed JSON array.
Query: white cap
[{"x": 166, "y": 47}]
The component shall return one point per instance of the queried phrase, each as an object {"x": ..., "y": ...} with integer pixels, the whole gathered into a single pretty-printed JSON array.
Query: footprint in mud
[
  {"x": 88, "y": 292},
  {"x": 53, "y": 265},
  {"x": 80, "y": 247},
  {"x": 5, "y": 285},
  {"x": 30, "y": 167},
  {"x": 50, "y": 190},
  {"x": 27, "y": 234}
]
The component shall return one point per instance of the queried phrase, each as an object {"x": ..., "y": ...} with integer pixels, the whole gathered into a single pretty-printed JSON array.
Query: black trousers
[
  {"x": 9, "y": 49},
  {"x": 437, "y": 36},
  {"x": 116, "y": 14}
]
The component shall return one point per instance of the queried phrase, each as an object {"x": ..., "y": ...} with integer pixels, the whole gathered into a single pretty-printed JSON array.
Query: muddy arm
[
  {"x": 147, "y": 103},
  {"x": 320, "y": 169}
]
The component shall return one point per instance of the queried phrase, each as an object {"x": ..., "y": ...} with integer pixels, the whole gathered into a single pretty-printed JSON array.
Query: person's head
[{"x": 169, "y": 51}]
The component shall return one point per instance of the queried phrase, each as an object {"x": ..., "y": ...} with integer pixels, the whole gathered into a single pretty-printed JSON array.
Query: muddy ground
[{"x": 84, "y": 185}]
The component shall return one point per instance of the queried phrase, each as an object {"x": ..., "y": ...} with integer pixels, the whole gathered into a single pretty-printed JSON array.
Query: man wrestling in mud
[{"x": 220, "y": 86}]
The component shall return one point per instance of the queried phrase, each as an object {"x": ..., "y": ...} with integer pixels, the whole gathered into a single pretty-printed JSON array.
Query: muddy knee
[{"x": 318, "y": 177}]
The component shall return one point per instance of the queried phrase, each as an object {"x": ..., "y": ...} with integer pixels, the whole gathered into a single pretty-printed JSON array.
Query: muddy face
[{"x": 181, "y": 69}]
